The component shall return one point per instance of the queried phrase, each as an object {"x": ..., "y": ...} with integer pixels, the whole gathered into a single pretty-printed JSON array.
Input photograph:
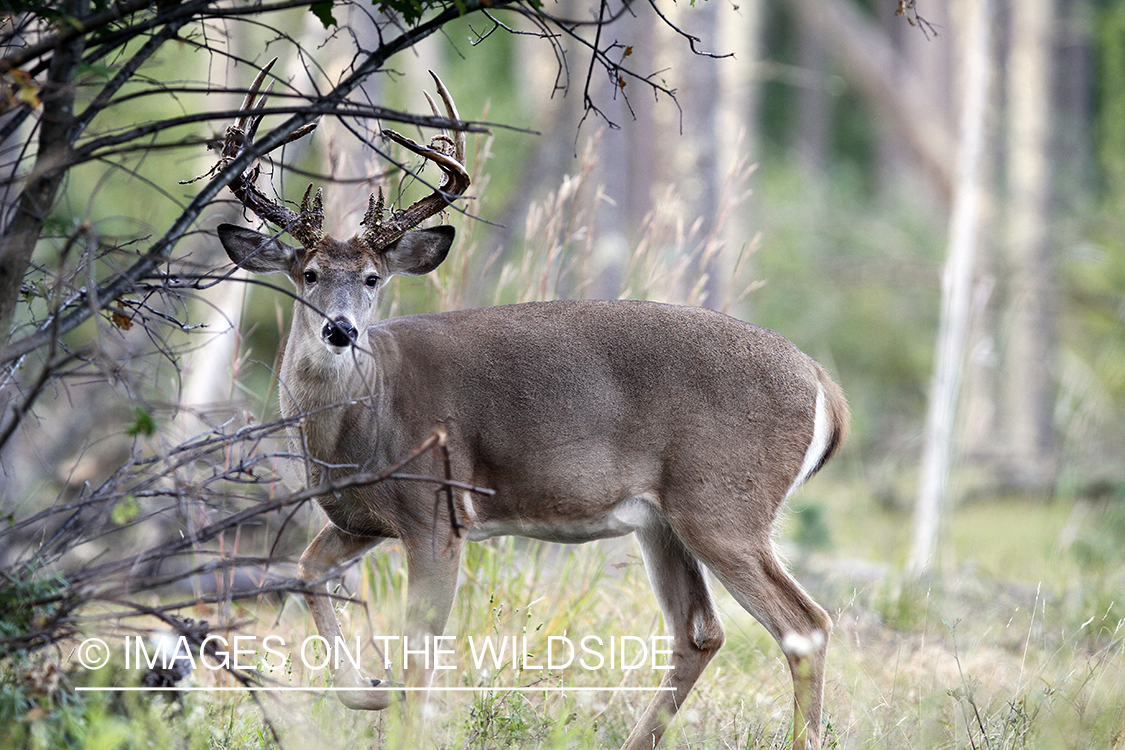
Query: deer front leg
[
  {"x": 331, "y": 548},
  {"x": 431, "y": 586}
]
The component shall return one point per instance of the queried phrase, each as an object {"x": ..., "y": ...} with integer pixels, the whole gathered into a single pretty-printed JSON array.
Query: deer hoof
[{"x": 360, "y": 697}]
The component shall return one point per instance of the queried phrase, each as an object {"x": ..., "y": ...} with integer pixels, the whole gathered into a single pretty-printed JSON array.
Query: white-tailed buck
[{"x": 588, "y": 420}]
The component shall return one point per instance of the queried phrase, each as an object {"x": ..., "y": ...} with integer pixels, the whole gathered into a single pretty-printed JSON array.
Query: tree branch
[{"x": 107, "y": 293}]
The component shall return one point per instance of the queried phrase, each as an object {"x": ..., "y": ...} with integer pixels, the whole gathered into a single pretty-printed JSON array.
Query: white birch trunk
[{"x": 957, "y": 277}]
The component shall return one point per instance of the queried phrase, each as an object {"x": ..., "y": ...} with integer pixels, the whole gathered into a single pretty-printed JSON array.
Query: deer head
[{"x": 339, "y": 280}]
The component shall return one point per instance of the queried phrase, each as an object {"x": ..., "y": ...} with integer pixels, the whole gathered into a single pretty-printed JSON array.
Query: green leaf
[
  {"x": 323, "y": 11},
  {"x": 410, "y": 10},
  {"x": 126, "y": 509},
  {"x": 143, "y": 423}
]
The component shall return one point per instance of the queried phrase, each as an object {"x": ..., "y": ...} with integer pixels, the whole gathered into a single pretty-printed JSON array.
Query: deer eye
[
  {"x": 310, "y": 277},
  {"x": 371, "y": 280}
]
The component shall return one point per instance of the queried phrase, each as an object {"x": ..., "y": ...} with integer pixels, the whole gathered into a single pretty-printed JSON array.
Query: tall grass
[{"x": 673, "y": 258}]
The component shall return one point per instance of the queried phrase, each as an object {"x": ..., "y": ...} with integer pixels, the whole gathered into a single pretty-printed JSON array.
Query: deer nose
[{"x": 339, "y": 333}]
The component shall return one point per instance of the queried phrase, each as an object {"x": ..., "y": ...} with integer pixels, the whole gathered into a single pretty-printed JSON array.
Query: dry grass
[{"x": 674, "y": 258}]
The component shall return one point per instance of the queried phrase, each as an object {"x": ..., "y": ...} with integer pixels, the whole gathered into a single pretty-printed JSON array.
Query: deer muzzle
[{"x": 339, "y": 334}]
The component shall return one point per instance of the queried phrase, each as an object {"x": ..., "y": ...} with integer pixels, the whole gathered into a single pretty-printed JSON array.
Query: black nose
[{"x": 339, "y": 332}]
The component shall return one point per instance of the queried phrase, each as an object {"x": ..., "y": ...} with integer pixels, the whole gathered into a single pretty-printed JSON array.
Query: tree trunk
[
  {"x": 956, "y": 287},
  {"x": 814, "y": 106},
  {"x": 1027, "y": 396},
  {"x": 870, "y": 63},
  {"x": 56, "y": 134},
  {"x": 737, "y": 141}
]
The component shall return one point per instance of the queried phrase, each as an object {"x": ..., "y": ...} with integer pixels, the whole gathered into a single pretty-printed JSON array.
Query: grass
[{"x": 982, "y": 659}]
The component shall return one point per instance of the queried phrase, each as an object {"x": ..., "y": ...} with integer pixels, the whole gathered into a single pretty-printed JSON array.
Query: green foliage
[
  {"x": 902, "y": 604},
  {"x": 1110, "y": 30},
  {"x": 500, "y": 720},
  {"x": 35, "y": 719},
  {"x": 14, "y": 702},
  {"x": 33, "y": 713},
  {"x": 27, "y": 601},
  {"x": 410, "y": 11},
  {"x": 323, "y": 11},
  {"x": 854, "y": 284},
  {"x": 125, "y": 510},
  {"x": 1016, "y": 672},
  {"x": 1101, "y": 544},
  {"x": 143, "y": 422},
  {"x": 49, "y": 9}
]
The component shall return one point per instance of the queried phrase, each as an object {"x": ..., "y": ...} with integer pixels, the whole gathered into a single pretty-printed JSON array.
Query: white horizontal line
[{"x": 265, "y": 689}]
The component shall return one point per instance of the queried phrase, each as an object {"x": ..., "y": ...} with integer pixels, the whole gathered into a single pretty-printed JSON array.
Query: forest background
[{"x": 925, "y": 198}]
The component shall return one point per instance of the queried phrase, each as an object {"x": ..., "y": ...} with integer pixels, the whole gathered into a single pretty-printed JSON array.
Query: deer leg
[
  {"x": 431, "y": 586},
  {"x": 680, "y": 583},
  {"x": 759, "y": 582},
  {"x": 325, "y": 553}
]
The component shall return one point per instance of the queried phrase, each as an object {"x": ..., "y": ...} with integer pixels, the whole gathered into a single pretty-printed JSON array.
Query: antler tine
[
  {"x": 252, "y": 94},
  {"x": 458, "y": 137},
  {"x": 251, "y": 129},
  {"x": 241, "y": 134},
  {"x": 249, "y": 122},
  {"x": 455, "y": 178},
  {"x": 304, "y": 226},
  {"x": 308, "y": 227}
]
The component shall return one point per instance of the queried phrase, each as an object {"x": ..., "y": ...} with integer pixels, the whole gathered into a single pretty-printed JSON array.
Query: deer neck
[
  {"x": 332, "y": 396},
  {"x": 315, "y": 378}
]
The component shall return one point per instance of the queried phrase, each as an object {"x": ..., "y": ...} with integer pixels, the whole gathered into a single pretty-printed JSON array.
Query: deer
[{"x": 586, "y": 419}]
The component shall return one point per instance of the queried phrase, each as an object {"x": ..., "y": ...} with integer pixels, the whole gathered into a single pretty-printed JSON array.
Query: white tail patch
[{"x": 822, "y": 432}]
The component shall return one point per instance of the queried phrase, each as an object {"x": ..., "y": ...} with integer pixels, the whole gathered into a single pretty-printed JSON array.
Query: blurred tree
[
  {"x": 1028, "y": 391},
  {"x": 900, "y": 86},
  {"x": 957, "y": 278}
]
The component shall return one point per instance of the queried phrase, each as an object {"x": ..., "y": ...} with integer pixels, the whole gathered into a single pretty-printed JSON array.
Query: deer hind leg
[
  {"x": 759, "y": 582},
  {"x": 331, "y": 548},
  {"x": 680, "y": 583}
]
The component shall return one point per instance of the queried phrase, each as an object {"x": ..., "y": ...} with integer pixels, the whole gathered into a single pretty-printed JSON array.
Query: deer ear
[
  {"x": 420, "y": 251},
  {"x": 257, "y": 252}
]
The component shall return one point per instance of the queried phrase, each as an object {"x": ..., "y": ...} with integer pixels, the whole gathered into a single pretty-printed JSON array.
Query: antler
[
  {"x": 304, "y": 226},
  {"x": 448, "y": 152},
  {"x": 445, "y": 150}
]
